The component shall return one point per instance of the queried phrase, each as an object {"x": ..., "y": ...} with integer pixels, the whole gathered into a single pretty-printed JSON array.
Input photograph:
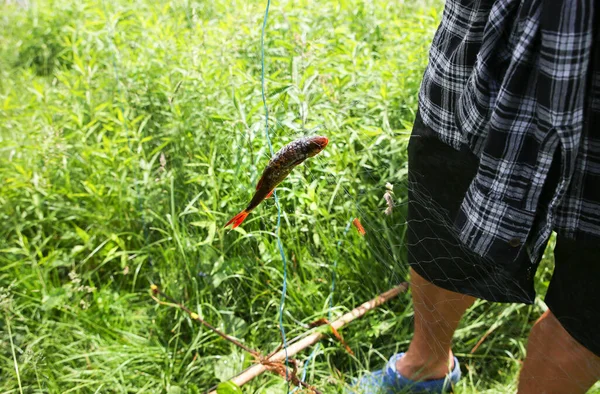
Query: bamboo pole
[{"x": 315, "y": 337}]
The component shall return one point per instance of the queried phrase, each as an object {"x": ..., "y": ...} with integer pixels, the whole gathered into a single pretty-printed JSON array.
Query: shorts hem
[{"x": 465, "y": 289}]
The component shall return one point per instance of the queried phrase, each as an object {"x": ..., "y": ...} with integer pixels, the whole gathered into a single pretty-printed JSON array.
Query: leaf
[
  {"x": 218, "y": 278},
  {"x": 278, "y": 90},
  {"x": 316, "y": 239},
  {"x": 57, "y": 297},
  {"x": 234, "y": 325},
  {"x": 174, "y": 390},
  {"x": 228, "y": 388},
  {"x": 228, "y": 366},
  {"x": 212, "y": 228},
  {"x": 277, "y": 388},
  {"x": 85, "y": 237}
]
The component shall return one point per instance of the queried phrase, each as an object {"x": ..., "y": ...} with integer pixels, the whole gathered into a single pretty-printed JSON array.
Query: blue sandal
[{"x": 389, "y": 381}]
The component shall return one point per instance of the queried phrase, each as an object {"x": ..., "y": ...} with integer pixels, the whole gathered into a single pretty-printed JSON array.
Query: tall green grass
[{"x": 130, "y": 132}]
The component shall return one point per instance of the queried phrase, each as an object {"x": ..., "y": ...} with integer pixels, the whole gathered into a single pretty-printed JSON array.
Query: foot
[
  {"x": 390, "y": 381},
  {"x": 416, "y": 368}
]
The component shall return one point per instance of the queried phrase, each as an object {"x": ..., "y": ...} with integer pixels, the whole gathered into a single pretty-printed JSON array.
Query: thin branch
[
  {"x": 315, "y": 337},
  {"x": 277, "y": 367},
  {"x": 482, "y": 339},
  {"x": 194, "y": 316}
]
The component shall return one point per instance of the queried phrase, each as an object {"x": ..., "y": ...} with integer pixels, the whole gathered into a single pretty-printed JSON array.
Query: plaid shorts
[{"x": 439, "y": 176}]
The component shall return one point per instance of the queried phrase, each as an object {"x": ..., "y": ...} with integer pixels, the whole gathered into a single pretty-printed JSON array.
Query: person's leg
[
  {"x": 442, "y": 269},
  {"x": 437, "y": 313},
  {"x": 555, "y": 362},
  {"x": 563, "y": 353}
]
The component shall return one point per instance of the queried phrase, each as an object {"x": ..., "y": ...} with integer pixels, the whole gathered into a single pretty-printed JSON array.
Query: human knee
[{"x": 550, "y": 339}]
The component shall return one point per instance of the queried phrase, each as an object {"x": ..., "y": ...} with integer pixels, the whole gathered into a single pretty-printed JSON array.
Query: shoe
[{"x": 389, "y": 381}]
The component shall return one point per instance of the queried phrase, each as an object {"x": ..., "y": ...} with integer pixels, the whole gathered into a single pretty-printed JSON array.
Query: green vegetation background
[{"x": 131, "y": 131}]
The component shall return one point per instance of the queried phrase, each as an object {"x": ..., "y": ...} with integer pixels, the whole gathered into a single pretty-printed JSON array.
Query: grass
[{"x": 130, "y": 132}]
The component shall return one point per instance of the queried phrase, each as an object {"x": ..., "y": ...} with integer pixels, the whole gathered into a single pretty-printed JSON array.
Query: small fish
[
  {"x": 279, "y": 167},
  {"x": 359, "y": 227}
]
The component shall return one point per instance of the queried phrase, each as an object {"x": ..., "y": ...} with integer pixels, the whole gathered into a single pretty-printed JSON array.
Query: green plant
[{"x": 131, "y": 131}]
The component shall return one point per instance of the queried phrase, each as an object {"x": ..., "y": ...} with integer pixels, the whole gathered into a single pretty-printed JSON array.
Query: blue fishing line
[
  {"x": 279, "y": 244},
  {"x": 307, "y": 362},
  {"x": 306, "y": 365}
]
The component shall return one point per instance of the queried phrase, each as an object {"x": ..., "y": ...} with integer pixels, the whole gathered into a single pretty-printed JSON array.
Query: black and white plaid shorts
[{"x": 439, "y": 176}]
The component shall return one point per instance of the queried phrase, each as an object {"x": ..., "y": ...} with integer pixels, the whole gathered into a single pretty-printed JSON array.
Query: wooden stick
[
  {"x": 313, "y": 338},
  {"x": 483, "y": 338}
]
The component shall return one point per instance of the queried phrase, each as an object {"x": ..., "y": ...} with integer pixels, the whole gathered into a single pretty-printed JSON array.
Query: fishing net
[
  {"x": 185, "y": 135},
  {"x": 334, "y": 236}
]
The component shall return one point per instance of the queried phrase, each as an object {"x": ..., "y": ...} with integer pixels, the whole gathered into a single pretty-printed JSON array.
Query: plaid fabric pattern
[{"x": 518, "y": 81}]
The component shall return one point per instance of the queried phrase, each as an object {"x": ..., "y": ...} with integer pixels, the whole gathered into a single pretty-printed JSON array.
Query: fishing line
[
  {"x": 306, "y": 365},
  {"x": 278, "y": 226}
]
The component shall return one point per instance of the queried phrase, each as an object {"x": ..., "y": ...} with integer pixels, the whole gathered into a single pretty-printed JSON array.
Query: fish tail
[{"x": 237, "y": 219}]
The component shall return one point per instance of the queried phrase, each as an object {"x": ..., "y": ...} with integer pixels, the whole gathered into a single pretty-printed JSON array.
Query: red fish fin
[
  {"x": 270, "y": 194},
  {"x": 237, "y": 219}
]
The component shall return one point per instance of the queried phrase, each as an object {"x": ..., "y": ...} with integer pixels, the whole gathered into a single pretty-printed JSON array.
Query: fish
[
  {"x": 359, "y": 227},
  {"x": 278, "y": 168}
]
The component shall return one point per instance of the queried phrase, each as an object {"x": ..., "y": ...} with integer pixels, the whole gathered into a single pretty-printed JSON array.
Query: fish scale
[{"x": 278, "y": 168}]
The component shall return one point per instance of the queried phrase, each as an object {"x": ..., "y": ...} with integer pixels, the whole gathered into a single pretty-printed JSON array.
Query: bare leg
[
  {"x": 437, "y": 314},
  {"x": 555, "y": 362}
]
